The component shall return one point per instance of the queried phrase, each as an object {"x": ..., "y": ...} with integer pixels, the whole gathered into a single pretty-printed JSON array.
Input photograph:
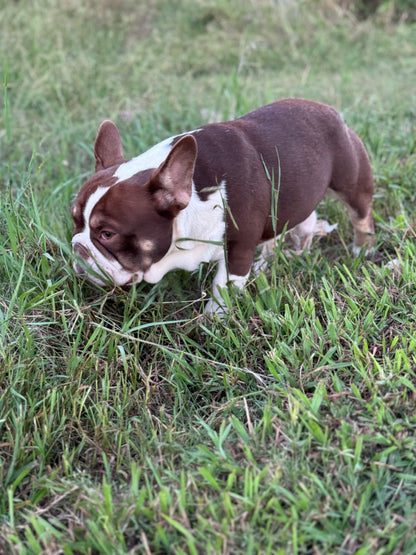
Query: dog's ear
[
  {"x": 108, "y": 149},
  {"x": 171, "y": 183}
]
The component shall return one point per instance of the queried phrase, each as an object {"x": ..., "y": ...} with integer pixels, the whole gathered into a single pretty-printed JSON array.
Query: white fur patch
[
  {"x": 300, "y": 239},
  {"x": 146, "y": 245},
  {"x": 152, "y": 158},
  {"x": 304, "y": 232},
  {"x": 91, "y": 202},
  {"x": 198, "y": 235},
  {"x": 216, "y": 304}
]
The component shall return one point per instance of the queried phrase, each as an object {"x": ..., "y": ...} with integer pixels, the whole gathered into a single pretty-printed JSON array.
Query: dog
[{"x": 216, "y": 193}]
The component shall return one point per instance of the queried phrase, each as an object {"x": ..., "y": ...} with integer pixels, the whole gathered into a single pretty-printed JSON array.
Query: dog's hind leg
[
  {"x": 302, "y": 234},
  {"x": 360, "y": 214},
  {"x": 363, "y": 231},
  {"x": 356, "y": 193},
  {"x": 298, "y": 240}
]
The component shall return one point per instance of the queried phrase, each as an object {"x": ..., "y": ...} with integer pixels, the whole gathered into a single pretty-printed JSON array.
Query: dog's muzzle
[{"x": 82, "y": 251}]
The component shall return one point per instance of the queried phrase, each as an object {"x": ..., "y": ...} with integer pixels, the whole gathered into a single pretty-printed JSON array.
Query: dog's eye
[{"x": 107, "y": 235}]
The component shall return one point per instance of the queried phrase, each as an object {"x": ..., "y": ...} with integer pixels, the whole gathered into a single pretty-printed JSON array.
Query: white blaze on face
[
  {"x": 99, "y": 263},
  {"x": 92, "y": 201}
]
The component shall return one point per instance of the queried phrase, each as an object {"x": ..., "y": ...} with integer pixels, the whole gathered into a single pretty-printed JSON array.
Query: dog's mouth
[
  {"x": 84, "y": 253},
  {"x": 85, "y": 264}
]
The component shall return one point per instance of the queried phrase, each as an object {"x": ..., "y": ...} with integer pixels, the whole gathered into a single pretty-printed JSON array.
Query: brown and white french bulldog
[{"x": 216, "y": 193}]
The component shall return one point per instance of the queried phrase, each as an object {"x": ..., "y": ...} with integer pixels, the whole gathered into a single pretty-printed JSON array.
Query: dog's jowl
[{"x": 216, "y": 193}]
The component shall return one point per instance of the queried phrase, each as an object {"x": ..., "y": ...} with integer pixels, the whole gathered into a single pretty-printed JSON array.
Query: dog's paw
[
  {"x": 153, "y": 274},
  {"x": 213, "y": 309},
  {"x": 368, "y": 250}
]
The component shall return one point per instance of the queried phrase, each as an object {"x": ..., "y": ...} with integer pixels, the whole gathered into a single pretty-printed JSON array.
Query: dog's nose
[
  {"x": 81, "y": 250},
  {"x": 79, "y": 269}
]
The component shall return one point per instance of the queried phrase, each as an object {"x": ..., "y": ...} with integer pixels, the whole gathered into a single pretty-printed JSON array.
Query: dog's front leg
[
  {"x": 184, "y": 260},
  {"x": 223, "y": 278}
]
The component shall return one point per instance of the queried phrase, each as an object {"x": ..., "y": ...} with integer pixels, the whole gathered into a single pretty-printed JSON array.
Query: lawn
[{"x": 128, "y": 423}]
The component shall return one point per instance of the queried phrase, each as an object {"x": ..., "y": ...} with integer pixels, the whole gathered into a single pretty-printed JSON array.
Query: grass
[{"x": 127, "y": 423}]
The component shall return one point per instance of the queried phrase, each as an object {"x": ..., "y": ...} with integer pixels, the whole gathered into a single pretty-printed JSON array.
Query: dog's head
[{"x": 124, "y": 214}]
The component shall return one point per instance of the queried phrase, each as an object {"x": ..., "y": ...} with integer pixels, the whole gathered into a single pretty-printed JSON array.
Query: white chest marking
[{"x": 198, "y": 236}]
